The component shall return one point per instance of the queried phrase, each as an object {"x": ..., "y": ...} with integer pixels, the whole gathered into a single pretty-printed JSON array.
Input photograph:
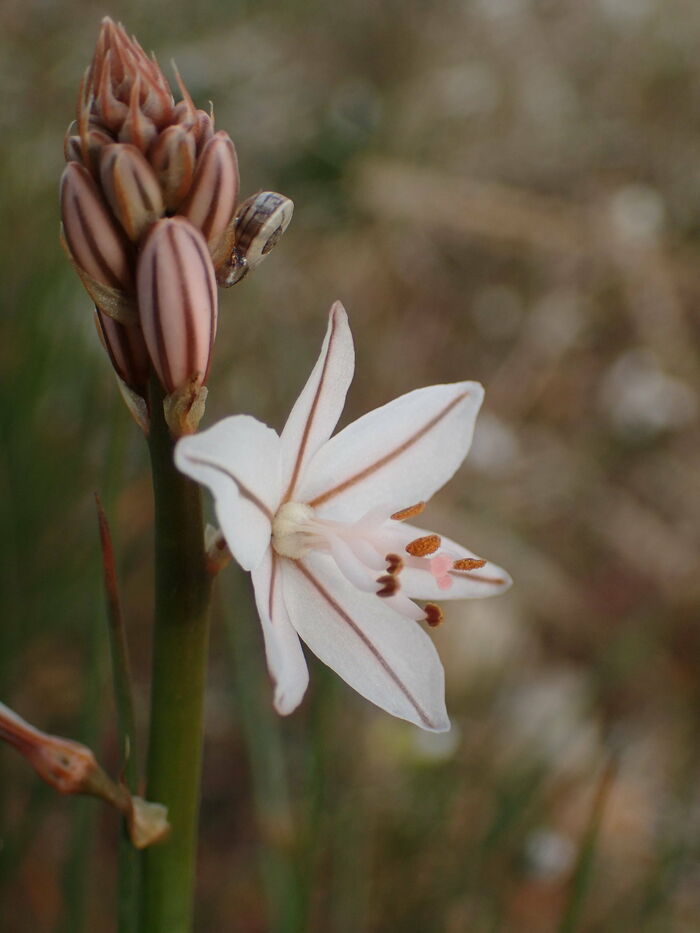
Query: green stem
[{"x": 177, "y": 691}]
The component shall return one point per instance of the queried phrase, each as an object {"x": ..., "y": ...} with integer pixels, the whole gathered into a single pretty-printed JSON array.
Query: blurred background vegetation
[{"x": 501, "y": 190}]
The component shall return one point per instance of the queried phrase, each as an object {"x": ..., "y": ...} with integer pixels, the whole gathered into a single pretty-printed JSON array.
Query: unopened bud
[
  {"x": 137, "y": 128},
  {"x": 127, "y": 351},
  {"x": 203, "y": 129},
  {"x": 173, "y": 157},
  {"x": 131, "y": 188},
  {"x": 176, "y": 292},
  {"x": 119, "y": 63},
  {"x": 259, "y": 223},
  {"x": 94, "y": 241},
  {"x": 112, "y": 110},
  {"x": 212, "y": 198}
]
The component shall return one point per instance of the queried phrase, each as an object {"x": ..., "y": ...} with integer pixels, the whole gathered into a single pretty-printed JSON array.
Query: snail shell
[{"x": 259, "y": 223}]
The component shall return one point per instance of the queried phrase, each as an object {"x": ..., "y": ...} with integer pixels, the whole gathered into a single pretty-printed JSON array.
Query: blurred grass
[{"x": 505, "y": 190}]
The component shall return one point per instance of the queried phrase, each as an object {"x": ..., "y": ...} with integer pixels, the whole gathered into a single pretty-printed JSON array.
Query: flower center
[
  {"x": 370, "y": 552},
  {"x": 292, "y": 534}
]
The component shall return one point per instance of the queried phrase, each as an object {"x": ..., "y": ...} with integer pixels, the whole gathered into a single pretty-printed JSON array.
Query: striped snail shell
[{"x": 259, "y": 223}]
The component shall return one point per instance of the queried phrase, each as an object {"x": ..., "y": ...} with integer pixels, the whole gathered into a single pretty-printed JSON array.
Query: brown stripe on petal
[
  {"x": 93, "y": 239},
  {"x": 178, "y": 310},
  {"x": 106, "y": 274},
  {"x": 389, "y": 457},
  {"x": 271, "y": 594},
  {"x": 424, "y": 546},
  {"x": 243, "y": 490},
  {"x": 212, "y": 198},
  {"x": 208, "y": 270},
  {"x": 494, "y": 581},
  {"x": 161, "y": 362},
  {"x": 208, "y": 223},
  {"x": 184, "y": 307},
  {"x": 368, "y": 644},
  {"x": 312, "y": 413}
]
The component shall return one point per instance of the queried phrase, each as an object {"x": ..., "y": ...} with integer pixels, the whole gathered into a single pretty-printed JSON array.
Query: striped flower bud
[
  {"x": 94, "y": 241},
  {"x": 127, "y": 351},
  {"x": 123, "y": 79},
  {"x": 177, "y": 302},
  {"x": 137, "y": 127},
  {"x": 173, "y": 157},
  {"x": 212, "y": 198},
  {"x": 203, "y": 129},
  {"x": 131, "y": 188}
]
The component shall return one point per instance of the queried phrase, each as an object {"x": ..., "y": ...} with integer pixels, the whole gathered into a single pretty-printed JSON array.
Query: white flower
[{"x": 320, "y": 523}]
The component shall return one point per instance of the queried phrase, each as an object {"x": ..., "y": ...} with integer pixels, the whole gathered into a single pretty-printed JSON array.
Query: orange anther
[
  {"x": 468, "y": 563},
  {"x": 412, "y": 510},
  {"x": 422, "y": 547}
]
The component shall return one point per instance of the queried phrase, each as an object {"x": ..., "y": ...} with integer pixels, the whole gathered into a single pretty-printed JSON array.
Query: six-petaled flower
[{"x": 320, "y": 522}]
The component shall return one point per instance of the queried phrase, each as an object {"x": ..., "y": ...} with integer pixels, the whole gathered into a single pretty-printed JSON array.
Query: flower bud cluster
[{"x": 148, "y": 205}]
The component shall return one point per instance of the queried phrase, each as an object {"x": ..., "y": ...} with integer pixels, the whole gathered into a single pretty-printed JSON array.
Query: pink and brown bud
[
  {"x": 95, "y": 243},
  {"x": 131, "y": 188},
  {"x": 137, "y": 127},
  {"x": 212, "y": 197},
  {"x": 177, "y": 302},
  {"x": 127, "y": 351},
  {"x": 173, "y": 156},
  {"x": 122, "y": 80}
]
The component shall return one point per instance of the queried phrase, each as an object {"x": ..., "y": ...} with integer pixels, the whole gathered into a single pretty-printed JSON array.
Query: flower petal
[
  {"x": 238, "y": 460},
  {"x": 285, "y": 657},
  {"x": 316, "y": 411},
  {"x": 489, "y": 580},
  {"x": 396, "y": 455},
  {"x": 388, "y": 659}
]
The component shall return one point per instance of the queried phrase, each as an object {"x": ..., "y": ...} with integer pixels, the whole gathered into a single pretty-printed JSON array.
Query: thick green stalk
[{"x": 177, "y": 691}]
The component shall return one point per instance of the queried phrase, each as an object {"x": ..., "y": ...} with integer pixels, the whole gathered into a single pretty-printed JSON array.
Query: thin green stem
[
  {"x": 129, "y": 861},
  {"x": 177, "y": 692}
]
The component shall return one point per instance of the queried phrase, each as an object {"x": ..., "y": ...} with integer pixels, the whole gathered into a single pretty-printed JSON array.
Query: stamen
[
  {"x": 468, "y": 563},
  {"x": 424, "y": 546},
  {"x": 412, "y": 510},
  {"x": 390, "y": 585},
  {"x": 394, "y": 564},
  {"x": 434, "y": 615}
]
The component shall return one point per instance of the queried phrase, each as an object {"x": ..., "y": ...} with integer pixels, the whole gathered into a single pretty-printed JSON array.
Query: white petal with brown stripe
[{"x": 321, "y": 524}]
